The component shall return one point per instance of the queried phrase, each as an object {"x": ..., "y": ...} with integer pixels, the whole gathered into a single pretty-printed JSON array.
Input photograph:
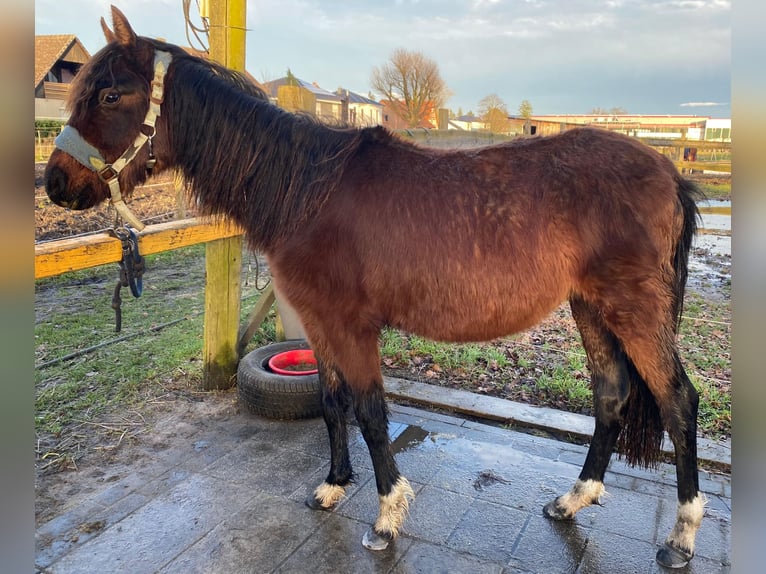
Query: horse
[{"x": 365, "y": 230}]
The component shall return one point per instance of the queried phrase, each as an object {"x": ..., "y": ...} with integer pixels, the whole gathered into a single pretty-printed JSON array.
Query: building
[
  {"x": 57, "y": 59},
  {"x": 362, "y": 111},
  {"x": 468, "y": 123},
  {"x": 644, "y": 126},
  {"x": 297, "y": 94}
]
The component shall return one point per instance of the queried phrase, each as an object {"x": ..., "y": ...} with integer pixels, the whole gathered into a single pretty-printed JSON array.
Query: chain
[{"x": 131, "y": 270}]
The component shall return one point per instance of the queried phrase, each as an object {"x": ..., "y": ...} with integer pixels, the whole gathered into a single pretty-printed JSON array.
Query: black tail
[
  {"x": 641, "y": 437},
  {"x": 688, "y": 195},
  {"x": 640, "y": 441}
]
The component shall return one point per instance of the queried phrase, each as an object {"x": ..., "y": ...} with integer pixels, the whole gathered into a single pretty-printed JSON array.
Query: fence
[
  {"x": 72, "y": 254},
  {"x": 44, "y": 145}
]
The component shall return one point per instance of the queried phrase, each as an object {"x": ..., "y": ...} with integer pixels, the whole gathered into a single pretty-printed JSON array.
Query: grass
[
  {"x": 718, "y": 190},
  {"x": 566, "y": 382}
]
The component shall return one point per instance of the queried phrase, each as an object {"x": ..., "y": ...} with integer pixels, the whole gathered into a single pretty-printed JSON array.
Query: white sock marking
[
  {"x": 688, "y": 521},
  {"x": 329, "y": 495},
  {"x": 394, "y": 507}
]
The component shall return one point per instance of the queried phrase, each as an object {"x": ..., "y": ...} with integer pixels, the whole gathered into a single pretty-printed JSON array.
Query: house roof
[
  {"x": 469, "y": 118},
  {"x": 50, "y": 49},
  {"x": 272, "y": 88},
  {"x": 355, "y": 98}
]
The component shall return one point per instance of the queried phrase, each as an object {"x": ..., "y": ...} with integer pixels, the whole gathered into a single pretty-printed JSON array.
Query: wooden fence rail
[
  {"x": 64, "y": 255},
  {"x": 72, "y": 254}
]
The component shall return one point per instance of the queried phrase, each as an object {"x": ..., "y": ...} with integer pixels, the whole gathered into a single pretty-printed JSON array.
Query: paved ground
[{"x": 233, "y": 502}]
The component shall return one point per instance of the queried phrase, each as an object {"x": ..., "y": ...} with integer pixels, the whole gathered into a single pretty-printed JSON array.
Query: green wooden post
[{"x": 223, "y": 258}]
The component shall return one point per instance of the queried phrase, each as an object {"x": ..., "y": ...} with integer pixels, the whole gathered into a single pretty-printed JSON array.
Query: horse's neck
[{"x": 247, "y": 159}]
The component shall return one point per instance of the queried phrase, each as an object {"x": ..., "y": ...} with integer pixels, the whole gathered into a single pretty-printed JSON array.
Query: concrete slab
[{"x": 479, "y": 493}]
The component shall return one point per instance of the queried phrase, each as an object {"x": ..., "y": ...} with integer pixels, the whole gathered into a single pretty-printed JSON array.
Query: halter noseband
[{"x": 71, "y": 142}]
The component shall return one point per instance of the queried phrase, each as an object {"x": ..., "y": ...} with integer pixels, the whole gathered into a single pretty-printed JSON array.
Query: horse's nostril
[{"x": 55, "y": 186}]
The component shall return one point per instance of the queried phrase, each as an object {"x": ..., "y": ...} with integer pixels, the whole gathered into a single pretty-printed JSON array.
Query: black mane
[{"x": 279, "y": 167}]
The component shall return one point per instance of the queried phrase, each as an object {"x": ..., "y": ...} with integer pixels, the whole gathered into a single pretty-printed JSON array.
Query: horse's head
[{"x": 108, "y": 144}]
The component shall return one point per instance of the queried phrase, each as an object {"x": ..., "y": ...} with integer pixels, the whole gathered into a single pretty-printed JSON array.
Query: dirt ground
[
  {"x": 117, "y": 445},
  {"x": 154, "y": 203}
]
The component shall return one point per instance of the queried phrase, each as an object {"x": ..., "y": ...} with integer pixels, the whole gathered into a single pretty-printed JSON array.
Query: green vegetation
[
  {"x": 717, "y": 189},
  {"x": 48, "y": 128},
  {"x": 45, "y": 132}
]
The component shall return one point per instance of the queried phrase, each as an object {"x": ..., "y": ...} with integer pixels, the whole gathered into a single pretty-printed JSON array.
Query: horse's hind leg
[
  {"x": 611, "y": 387},
  {"x": 647, "y": 334},
  {"x": 335, "y": 403},
  {"x": 681, "y": 421}
]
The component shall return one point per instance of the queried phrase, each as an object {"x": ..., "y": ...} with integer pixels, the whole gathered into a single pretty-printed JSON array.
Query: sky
[{"x": 667, "y": 57}]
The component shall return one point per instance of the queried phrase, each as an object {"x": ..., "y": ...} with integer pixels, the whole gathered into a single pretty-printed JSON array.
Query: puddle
[
  {"x": 409, "y": 438},
  {"x": 715, "y": 238},
  {"x": 718, "y": 245}
]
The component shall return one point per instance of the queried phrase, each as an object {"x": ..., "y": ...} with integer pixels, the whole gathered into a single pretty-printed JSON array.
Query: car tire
[{"x": 268, "y": 394}]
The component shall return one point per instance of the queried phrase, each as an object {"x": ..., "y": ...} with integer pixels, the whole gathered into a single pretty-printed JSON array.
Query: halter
[{"x": 71, "y": 142}]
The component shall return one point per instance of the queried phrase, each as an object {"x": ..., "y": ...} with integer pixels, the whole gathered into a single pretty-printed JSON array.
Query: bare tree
[
  {"x": 412, "y": 82},
  {"x": 494, "y": 113}
]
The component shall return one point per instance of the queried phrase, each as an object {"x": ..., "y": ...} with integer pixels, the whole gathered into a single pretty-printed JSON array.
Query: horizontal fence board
[
  {"x": 72, "y": 254},
  {"x": 724, "y": 167}
]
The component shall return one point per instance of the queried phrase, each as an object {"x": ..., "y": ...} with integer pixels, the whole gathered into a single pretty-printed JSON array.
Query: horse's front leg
[
  {"x": 335, "y": 402},
  {"x": 394, "y": 490}
]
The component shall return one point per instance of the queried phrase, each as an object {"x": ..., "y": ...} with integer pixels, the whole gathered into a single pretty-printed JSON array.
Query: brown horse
[{"x": 363, "y": 230}]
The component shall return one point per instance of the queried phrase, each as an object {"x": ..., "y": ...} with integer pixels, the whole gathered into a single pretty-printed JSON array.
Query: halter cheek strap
[{"x": 71, "y": 142}]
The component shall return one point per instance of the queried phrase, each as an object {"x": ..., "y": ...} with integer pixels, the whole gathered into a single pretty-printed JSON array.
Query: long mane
[{"x": 268, "y": 169}]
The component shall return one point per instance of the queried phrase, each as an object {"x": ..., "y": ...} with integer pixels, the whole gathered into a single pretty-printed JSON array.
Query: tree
[
  {"x": 494, "y": 113},
  {"x": 525, "y": 109},
  {"x": 413, "y": 81}
]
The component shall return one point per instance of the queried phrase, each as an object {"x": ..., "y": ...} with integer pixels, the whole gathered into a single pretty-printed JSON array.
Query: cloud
[{"x": 703, "y": 104}]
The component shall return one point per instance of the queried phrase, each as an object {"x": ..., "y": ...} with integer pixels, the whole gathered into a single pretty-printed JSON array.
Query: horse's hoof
[
  {"x": 314, "y": 504},
  {"x": 374, "y": 541},
  {"x": 670, "y": 557},
  {"x": 554, "y": 511}
]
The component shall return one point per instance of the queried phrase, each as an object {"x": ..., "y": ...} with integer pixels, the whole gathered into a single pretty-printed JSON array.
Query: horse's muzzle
[{"x": 59, "y": 190}]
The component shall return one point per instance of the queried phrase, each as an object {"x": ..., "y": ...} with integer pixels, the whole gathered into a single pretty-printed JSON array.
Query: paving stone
[
  {"x": 337, "y": 547},
  {"x": 232, "y": 501},
  {"x": 425, "y": 558},
  {"x": 435, "y": 513},
  {"x": 488, "y": 531},
  {"x": 550, "y": 546},
  {"x": 607, "y": 552},
  {"x": 158, "y": 531},
  {"x": 257, "y": 539}
]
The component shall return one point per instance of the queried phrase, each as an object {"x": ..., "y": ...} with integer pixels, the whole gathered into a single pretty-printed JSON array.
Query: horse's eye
[{"x": 110, "y": 97}]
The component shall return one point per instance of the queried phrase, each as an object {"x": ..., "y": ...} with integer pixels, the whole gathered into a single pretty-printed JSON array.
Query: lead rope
[{"x": 132, "y": 268}]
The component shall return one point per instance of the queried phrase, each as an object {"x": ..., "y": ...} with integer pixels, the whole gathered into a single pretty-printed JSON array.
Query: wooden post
[{"x": 223, "y": 257}]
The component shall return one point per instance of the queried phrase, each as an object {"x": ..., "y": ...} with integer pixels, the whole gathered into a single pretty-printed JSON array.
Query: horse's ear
[
  {"x": 108, "y": 34},
  {"x": 123, "y": 33}
]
